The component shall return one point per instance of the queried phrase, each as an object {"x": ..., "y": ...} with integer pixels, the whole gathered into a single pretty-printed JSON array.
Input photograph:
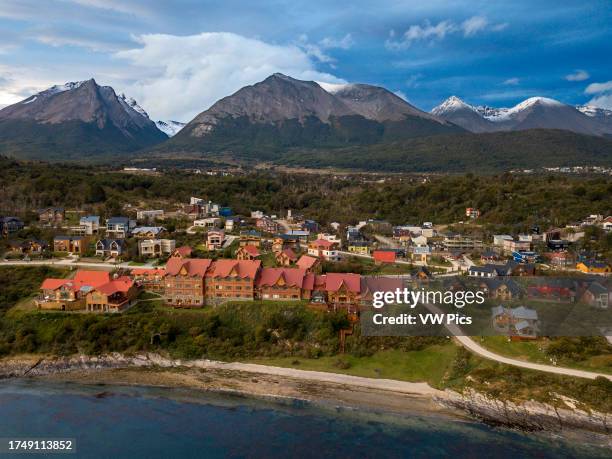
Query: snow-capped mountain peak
[
  {"x": 169, "y": 127},
  {"x": 593, "y": 111},
  {"x": 132, "y": 104},
  {"x": 452, "y": 104},
  {"x": 55, "y": 89}
]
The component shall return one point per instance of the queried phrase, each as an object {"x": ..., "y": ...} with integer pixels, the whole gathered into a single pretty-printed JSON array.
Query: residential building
[
  {"x": 151, "y": 248},
  {"x": 359, "y": 247},
  {"x": 267, "y": 225},
  {"x": 182, "y": 252},
  {"x": 110, "y": 247},
  {"x": 148, "y": 232},
  {"x": 10, "y": 225},
  {"x": 215, "y": 239},
  {"x": 284, "y": 284},
  {"x": 247, "y": 252},
  {"x": 371, "y": 285},
  {"x": 119, "y": 227},
  {"x": 309, "y": 263},
  {"x": 210, "y": 222},
  {"x": 511, "y": 245},
  {"x": 323, "y": 249},
  {"x": 329, "y": 237},
  {"x": 597, "y": 295},
  {"x": 28, "y": 247},
  {"x": 70, "y": 244},
  {"x": 114, "y": 296},
  {"x": 472, "y": 212},
  {"x": 338, "y": 291},
  {"x": 285, "y": 257},
  {"x": 150, "y": 215},
  {"x": 231, "y": 280},
  {"x": 69, "y": 294},
  {"x": 88, "y": 225},
  {"x": 51, "y": 215},
  {"x": 184, "y": 282},
  {"x": 453, "y": 241},
  {"x": 521, "y": 322},
  {"x": 421, "y": 253},
  {"x": 499, "y": 239},
  {"x": 251, "y": 237},
  {"x": 383, "y": 257},
  {"x": 149, "y": 279},
  {"x": 502, "y": 289}
]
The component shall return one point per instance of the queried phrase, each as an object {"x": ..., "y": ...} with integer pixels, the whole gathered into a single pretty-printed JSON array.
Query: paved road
[
  {"x": 77, "y": 264},
  {"x": 476, "y": 348}
]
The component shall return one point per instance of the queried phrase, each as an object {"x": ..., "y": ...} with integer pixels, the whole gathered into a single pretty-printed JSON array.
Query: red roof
[
  {"x": 53, "y": 284},
  {"x": 291, "y": 276},
  {"x": 81, "y": 279},
  {"x": 290, "y": 254},
  {"x": 323, "y": 243},
  {"x": 242, "y": 268},
  {"x": 92, "y": 278},
  {"x": 384, "y": 256},
  {"x": 121, "y": 284},
  {"x": 306, "y": 262},
  {"x": 332, "y": 282},
  {"x": 184, "y": 251},
  {"x": 251, "y": 249},
  {"x": 193, "y": 266}
]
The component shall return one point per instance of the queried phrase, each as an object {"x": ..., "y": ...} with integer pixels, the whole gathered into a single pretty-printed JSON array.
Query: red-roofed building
[
  {"x": 69, "y": 294},
  {"x": 247, "y": 252},
  {"x": 184, "y": 282},
  {"x": 324, "y": 249},
  {"x": 383, "y": 256},
  {"x": 308, "y": 263},
  {"x": 114, "y": 296},
  {"x": 284, "y": 284},
  {"x": 181, "y": 252},
  {"x": 338, "y": 291},
  {"x": 231, "y": 280},
  {"x": 149, "y": 279},
  {"x": 285, "y": 257}
]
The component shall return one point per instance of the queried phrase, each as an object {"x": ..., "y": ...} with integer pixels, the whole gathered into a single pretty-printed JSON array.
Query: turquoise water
[{"x": 118, "y": 422}]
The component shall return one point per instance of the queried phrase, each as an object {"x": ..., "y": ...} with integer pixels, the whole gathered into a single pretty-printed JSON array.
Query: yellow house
[
  {"x": 594, "y": 267},
  {"x": 359, "y": 247}
]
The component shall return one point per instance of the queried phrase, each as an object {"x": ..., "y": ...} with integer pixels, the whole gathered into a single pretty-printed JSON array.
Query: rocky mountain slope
[{"x": 78, "y": 119}]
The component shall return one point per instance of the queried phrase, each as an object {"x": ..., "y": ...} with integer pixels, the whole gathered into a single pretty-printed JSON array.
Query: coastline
[{"x": 302, "y": 386}]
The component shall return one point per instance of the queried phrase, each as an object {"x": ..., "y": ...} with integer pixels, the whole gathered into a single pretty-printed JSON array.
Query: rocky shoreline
[{"x": 529, "y": 415}]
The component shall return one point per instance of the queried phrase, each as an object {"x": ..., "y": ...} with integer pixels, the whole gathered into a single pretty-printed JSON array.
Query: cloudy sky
[{"x": 177, "y": 57}]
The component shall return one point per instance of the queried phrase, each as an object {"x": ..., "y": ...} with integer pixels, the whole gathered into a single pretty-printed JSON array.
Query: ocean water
[{"x": 128, "y": 422}]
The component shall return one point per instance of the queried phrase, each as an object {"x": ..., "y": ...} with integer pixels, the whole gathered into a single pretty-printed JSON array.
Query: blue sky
[{"x": 177, "y": 57}]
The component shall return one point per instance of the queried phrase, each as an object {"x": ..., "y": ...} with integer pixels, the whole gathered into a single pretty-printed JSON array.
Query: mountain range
[
  {"x": 283, "y": 119},
  {"x": 532, "y": 113}
]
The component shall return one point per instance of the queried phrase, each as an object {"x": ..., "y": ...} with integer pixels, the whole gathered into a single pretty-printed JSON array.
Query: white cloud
[
  {"x": 595, "y": 88},
  {"x": 578, "y": 75},
  {"x": 430, "y": 32},
  {"x": 512, "y": 81},
  {"x": 603, "y": 101},
  {"x": 345, "y": 42},
  {"x": 474, "y": 25},
  {"x": 176, "y": 77}
]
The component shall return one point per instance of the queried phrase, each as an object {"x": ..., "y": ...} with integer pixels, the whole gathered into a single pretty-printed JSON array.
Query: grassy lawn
[
  {"x": 535, "y": 351},
  {"x": 430, "y": 365}
]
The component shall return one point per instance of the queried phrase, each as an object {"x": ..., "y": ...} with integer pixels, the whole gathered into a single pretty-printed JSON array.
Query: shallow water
[{"x": 139, "y": 422}]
